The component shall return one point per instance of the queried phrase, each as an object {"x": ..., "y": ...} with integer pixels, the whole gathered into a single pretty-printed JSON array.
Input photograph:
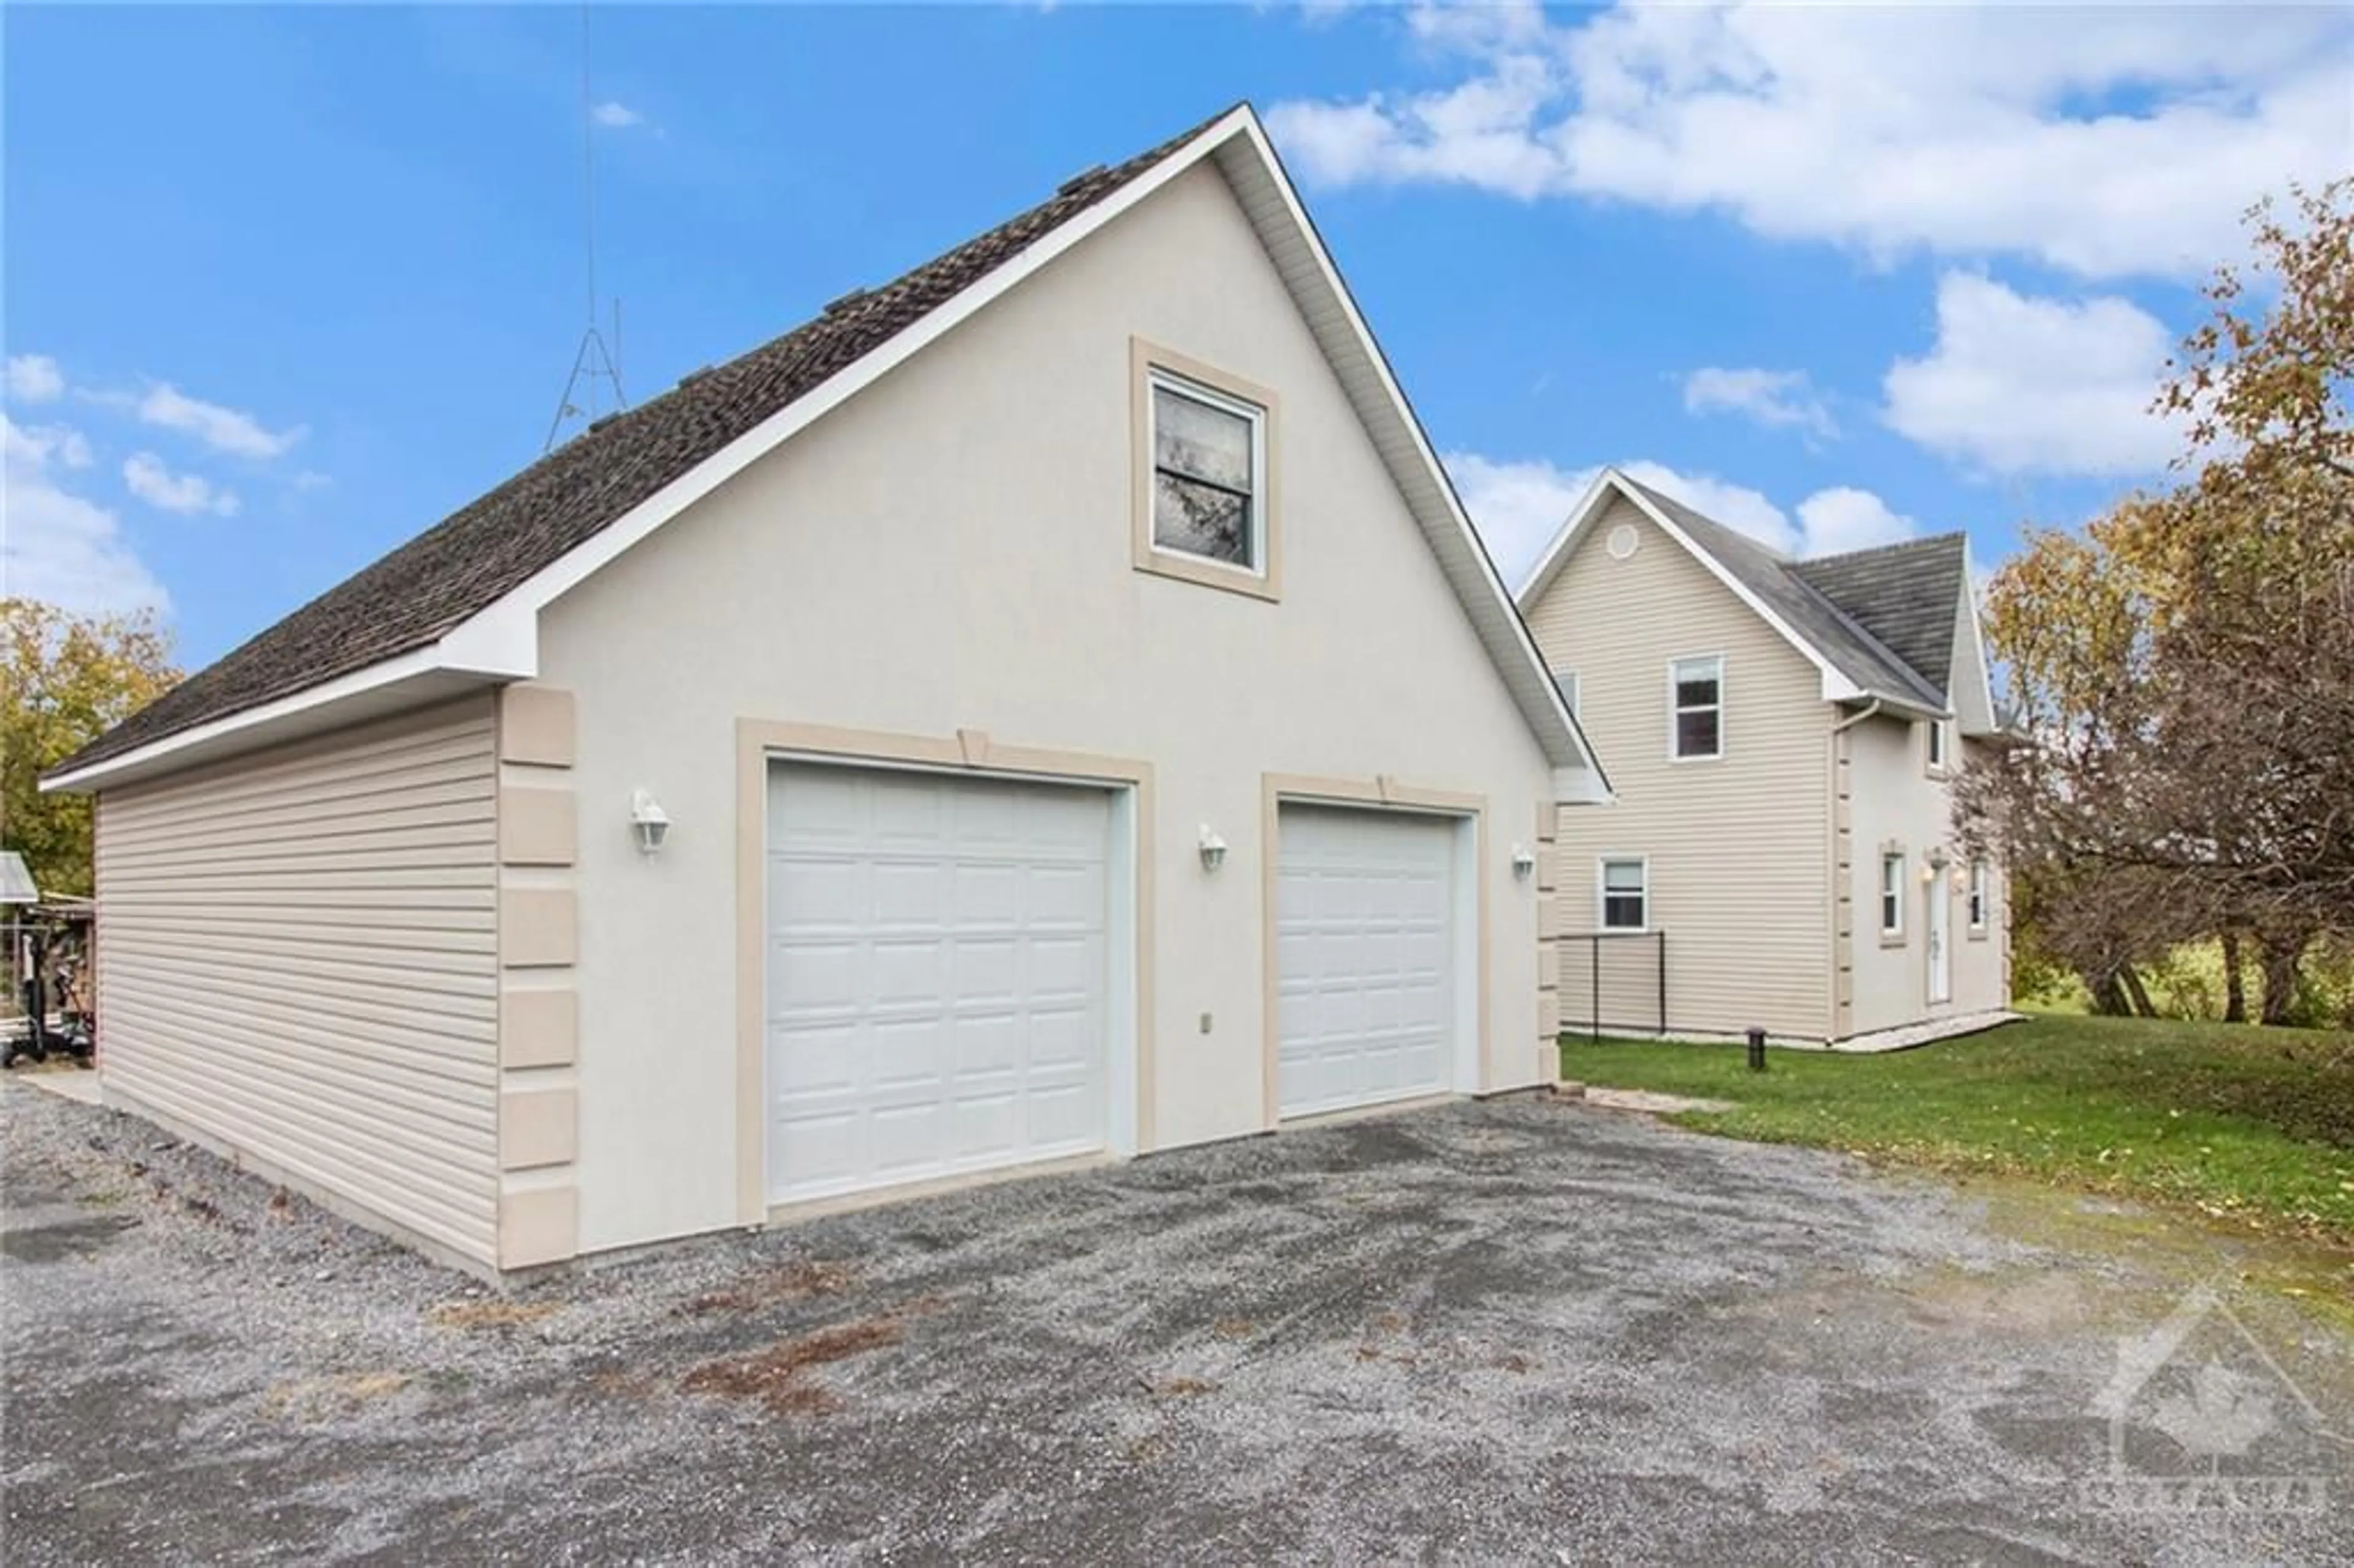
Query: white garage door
[
  {"x": 937, "y": 976},
  {"x": 1366, "y": 955}
]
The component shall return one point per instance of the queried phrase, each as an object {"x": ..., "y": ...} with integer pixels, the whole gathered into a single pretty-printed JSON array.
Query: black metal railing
[{"x": 1635, "y": 972}]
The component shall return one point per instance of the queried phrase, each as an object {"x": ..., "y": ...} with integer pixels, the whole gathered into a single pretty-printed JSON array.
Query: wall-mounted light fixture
[
  {"x": 1214, "y": 849},
  {"x": 1524, "y": 862},
  {"x": 647, "y": 822}
]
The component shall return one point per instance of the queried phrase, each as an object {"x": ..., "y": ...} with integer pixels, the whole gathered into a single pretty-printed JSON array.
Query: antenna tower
[{"x": 594, "y": 388}]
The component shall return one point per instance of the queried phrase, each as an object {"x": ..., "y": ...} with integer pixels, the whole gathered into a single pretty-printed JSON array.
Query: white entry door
[
  {"x": 1367, "y": 957},
  {"x": 1941, "y": 955},
  {"x": 937, "y": 976}
]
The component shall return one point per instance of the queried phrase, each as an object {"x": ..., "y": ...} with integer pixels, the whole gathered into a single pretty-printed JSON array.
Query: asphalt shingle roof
[
  {"x": 1905, "y": 595},
  {"x": 412, "y": 597},
  {"x": 1826, "y": 622}
]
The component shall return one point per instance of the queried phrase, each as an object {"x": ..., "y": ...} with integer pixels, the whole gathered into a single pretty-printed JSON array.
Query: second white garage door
[
  {"x": 937, "y": 976},
  {"x": 1366, "y": 955}
]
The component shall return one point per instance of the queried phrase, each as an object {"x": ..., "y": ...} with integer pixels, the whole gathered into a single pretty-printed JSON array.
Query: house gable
[
  {"x": 950, "y": 555},
  {"x": 495, "y": 638},
  {"x": 1738, "y": 849}
]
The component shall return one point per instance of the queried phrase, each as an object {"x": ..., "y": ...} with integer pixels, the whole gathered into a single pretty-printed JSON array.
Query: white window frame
[
  {"x": 1937, "y": 747},
  {"x": 1159, "y": 379},
  {"x": 1721, "y": 708},
  {"x": 1602, "y": 863},
  {"x": 1892, "y": 895},
  {"x": 1981, "y": 898}
]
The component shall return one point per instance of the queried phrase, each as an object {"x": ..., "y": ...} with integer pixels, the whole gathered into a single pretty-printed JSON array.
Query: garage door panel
[
  {"x": 969, "y": 1027},
  {"x": 1365, "y": 955}
]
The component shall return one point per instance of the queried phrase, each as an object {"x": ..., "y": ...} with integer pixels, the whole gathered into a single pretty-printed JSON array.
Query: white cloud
[
  {"x": 1519, "y": 505},
  {"x": 30, "y": 447},
  {"x": 152, "y": 482},
  {"x": 61, "y": 547},
  {"x": 230, "y": 430},
  {"x": 34, "y": 378},
  {"x": 1843, "y": 518},
  {"x": 1774, "y": 397},
  {"x": 2061, "y": 134},
  {"x": 616, "y": 116},
  {"x": 2020, "y": 384}
]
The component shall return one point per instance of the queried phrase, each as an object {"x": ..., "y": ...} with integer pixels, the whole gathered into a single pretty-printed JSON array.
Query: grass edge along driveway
[{"x": 2247, "y": 1125}]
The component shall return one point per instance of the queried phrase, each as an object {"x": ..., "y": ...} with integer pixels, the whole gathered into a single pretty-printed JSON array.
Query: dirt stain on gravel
[
  {"x": 774, "y": 1376},
  {"x": 493, "y": 1314},
  {"x": 791, "y": 1282}
]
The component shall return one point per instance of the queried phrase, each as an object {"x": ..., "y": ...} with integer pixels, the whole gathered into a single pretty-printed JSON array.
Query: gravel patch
[{"x": 1522, "y": 1330}]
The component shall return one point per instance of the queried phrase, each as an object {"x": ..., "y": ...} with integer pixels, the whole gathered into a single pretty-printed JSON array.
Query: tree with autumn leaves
[
  {"x": 2181, "y": 672},
  {"x": 64, "y": 680}
]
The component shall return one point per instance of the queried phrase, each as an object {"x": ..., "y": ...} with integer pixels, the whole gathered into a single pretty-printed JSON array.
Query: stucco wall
[
  {"x": 1739, "y": 847},
  {"x": 951, "y": 550},
  {"x": 1896, "y": 800}
]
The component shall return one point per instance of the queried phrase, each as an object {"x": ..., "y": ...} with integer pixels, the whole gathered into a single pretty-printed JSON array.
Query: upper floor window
[
  {"x": 1205, "y": 506},
  {"x": 1626, "y": 894},
  {"x": 1696, "y": 705},
  {"x": 1936, "y": 742},
  {"x": 1207, "y": 460}
]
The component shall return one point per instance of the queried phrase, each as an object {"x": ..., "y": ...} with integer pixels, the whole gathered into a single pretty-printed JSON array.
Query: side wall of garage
[
  {"x": 947, "y": 558},
  {"x": 298, "y": 964}
]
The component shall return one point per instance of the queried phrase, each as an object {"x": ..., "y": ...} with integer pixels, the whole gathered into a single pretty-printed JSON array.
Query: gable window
[
  {"x": 1696, "y": 708},
  {"x": 1626, "y": 894},
  {"x": 1978, "y": 899},
  {"x": 1936, "y": 743},
  {"x": 1205, "y": 461},
  {"x": 1892, "y": 894}
]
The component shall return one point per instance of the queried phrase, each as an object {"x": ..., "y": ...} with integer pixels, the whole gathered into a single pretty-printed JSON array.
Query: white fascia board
[
  {"x": 1969, "y": 618},
  {"x": 424, "y": 668},
  {"x": 1590, "y": 505},
  {"x": 1490, "y": 605},
  {"x": 510, "y": 624}
]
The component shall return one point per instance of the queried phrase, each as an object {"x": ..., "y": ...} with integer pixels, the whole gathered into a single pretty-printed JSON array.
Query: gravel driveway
[{"x": 1521, "y": 1331}]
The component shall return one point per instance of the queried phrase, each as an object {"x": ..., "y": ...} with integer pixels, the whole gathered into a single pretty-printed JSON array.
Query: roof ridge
[{"x": 1892, "y": 548}]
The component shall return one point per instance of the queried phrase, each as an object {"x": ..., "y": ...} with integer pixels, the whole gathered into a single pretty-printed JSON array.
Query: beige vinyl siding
[
  {"x": 298, "y": 959},
  {"x": 1739, "y": 847}
]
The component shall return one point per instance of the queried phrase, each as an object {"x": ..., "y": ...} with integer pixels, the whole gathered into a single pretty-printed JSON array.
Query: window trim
[
  {"x": 1722, "y": 707},
  {"x": 1979, "y": 907},
  {"x": 1891, "y": 897},
  {"x": 1151, "y": 367},
  {"x": 1602, "y": 863}
]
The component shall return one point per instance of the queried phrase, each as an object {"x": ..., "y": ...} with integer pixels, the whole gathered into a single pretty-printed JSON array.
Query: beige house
[
  {"x": 1049, "y": 707},
  {"x": 1782, "y": 737}
]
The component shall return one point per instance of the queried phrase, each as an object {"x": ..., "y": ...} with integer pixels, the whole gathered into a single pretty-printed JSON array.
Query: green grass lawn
[{"x": 2255, "y": 1125}]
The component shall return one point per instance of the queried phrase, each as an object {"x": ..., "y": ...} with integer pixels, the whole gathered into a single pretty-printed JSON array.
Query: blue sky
[{"x": 285, "y": 285}]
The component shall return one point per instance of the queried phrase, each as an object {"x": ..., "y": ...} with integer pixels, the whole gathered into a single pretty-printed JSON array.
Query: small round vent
[{"x": 1622, "y": 541}]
